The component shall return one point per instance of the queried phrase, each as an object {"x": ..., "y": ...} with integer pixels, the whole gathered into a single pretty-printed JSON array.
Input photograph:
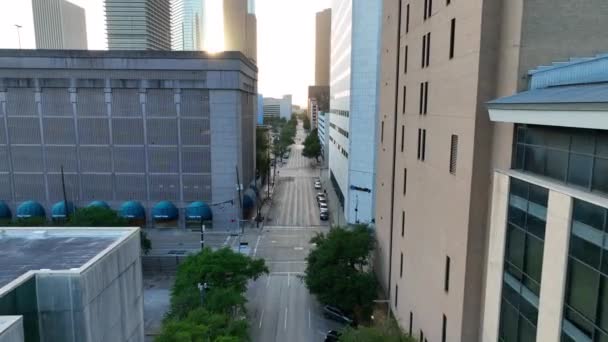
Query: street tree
[
  {"x": 337, "y": 271},
  {"x": 306, "y": 122},
  {"x": 312, "y": 146},
  {"x": 203, "y": 325},
  {"x": 375, "y": 334},
  {"x": 262, "y": 146}
]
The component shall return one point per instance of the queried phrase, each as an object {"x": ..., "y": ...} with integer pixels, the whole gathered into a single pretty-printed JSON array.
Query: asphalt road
[{"x": 280, "y": 308}]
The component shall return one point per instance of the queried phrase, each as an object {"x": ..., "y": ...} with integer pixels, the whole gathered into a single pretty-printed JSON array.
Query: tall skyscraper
[
  {"x": 240, "y": 27},
  {"x": 436, "y": 150},
  {"x": 355, "y": 42},
  {"x": 138, "y": 24},
  {"x": 187, "y": 20},
  {"x": 322, "y": 47},
  {"x": 59, "y": 24}
]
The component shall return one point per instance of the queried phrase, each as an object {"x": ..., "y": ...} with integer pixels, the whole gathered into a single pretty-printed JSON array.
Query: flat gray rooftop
[{"x": 26, "y": 250}]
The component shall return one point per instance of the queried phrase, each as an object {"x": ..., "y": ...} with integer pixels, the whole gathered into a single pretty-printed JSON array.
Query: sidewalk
[{"x": 336, "y": 212}]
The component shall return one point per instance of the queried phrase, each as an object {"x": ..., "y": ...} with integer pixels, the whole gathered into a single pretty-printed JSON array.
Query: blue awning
[
  {"x": 29, "y": 209},
  {"x": 58, "y": 210},
  {"x": 165, "y": 210},
  {"x": 249, "y": 199},
  {"x": 199, "y": 211},
  {"x": 5, "y": 211},
  {"x": 98, "y": 204},
  {"x": 132, "y": 210}
]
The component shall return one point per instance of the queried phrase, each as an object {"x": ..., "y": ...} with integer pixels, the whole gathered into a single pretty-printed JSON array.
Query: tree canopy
[
  {"x": 312, "y": 146},
  {"x": 262, "y": 145},
  {"x": 375, "y": 334},
  {"x": 338, "y": 273}
]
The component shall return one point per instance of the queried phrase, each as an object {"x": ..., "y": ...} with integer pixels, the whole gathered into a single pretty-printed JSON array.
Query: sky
[{"x": 286, "y": 39}]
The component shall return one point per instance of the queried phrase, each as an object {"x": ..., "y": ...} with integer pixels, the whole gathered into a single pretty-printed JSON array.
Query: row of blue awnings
[{"x": 163, "y": 210}]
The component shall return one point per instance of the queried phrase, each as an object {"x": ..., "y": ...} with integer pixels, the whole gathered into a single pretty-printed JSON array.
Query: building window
[
  {"x": 411, "y": 322},
  {"x": 426, "y": 97},
  {"x": 586, "y": 295},
  {"x": 419, "y": 143},
  {"x": 396, "y": 295},
  {"x": 382, "y": 132},
  {"x": 428, "y": 8},
  {"x": 405, "y": 60},
  {"x": 423, "y": 51},
  {"x": 448, "y": 2},
  {"x": 401, "y": 267},
  {"x": 402, "y": 136},
  {"x": 426, "y": 5},
  {"x": 444, "y": 327},
  {"x": 524, "y": 245},
  {"x": 407, "y": 18},
  {"x": 453, "y": 153},
  {"x": 452, "y": 37},
  {"x": 402, "y": 223},
  {"x": 404, "y": 181},
  {"x": 578, "y": 157},
  {"x": 421, "y": 335},
  {"x": 404, "y": 99},
  {"x": 423, "y": 148},
  {"x": 446, "y": 279},
  {"x": 428, "y": 48},
  {"x": 421, "y": 104}
]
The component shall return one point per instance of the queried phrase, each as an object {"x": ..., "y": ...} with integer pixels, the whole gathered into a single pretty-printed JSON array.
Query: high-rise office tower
[
  {"x": 322, "y": 47},
  {"x": 59, "y": 24},
  {"x": 138, "y": 24},
  {"x": 187, "y": 21},
  {"x": 436, "y": 149},
  {"x": 355, "y": 41},
  {"x": 240, "y": 27}
]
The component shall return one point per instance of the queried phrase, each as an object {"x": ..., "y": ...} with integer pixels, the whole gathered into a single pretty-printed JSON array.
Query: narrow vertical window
[
  {"x": 403, "y": 223},
  {"x": 453, "y": 153},
  {"x": 423, "y": 153},
  {"x": 402, "y": 136},
  {"x": 404, "y": 99},
  {"x": 426, "y": 6},
  {"x": 423, "y": 50},
  {"x": 419, "y": 143},
  {"x": 448, "y": 2},
  {"x": 421, "y": 106},
  {"x": 446, "y": 279},
  {"x": 429, "y": 9},
  {"x": 444, "y": 328},
  {"x": 407, "y": 18},
  {"x": 404, "y": 182},
  {"x": 401, "y": 266},
  {"x": 421, "y": 335},
  {"x": 426, "y": 97},
  {"x": 405, "y": 60},
  {"x": 428, "y": 49},
  {"x": 452, "y": 37},
  {"x": 411, "y": 322},
  {"x": 382, "y": 132},
  {"x": 396, "y": 295}
]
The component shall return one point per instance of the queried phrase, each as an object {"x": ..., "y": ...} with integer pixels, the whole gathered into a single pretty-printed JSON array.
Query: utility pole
[
  {"x": 65, "y": 197},
  {"x": 202, "y": 234},
  {"x": 240, "y": 199},
  {"x": 18, "y": 34},
  {"x": 356, "y": 208}
]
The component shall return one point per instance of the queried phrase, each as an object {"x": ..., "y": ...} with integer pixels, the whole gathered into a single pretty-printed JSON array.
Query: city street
[{"x": 280, "y": 307}]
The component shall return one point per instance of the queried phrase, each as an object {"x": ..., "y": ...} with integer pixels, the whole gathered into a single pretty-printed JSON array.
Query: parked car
[
  {"x": 323, "y": 206},
  {"x": 324, "y": 215},
  {"x": 332, "y": 336},
  {"x": 322, "y": 201},
  {"x": 320, "y": 195},
  {"x": 318, "y": 186},
  {"x": 336, "y": 314}
]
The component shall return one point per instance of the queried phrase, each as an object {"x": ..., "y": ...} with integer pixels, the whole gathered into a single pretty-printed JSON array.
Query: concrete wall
[
  {"x": 11, "y": 329},
  {"x": 322, "y": 47}
]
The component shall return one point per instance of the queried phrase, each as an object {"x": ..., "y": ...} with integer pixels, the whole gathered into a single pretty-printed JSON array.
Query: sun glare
[{"x": 214, "y": 26}]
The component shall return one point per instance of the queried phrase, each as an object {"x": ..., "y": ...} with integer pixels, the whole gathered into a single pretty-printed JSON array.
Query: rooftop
[{"x": 52, "y": 249}]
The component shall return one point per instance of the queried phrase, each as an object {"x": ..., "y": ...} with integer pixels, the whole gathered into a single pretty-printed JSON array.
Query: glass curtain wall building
[
  {"x": 187, "y": 23},
  {"x": 138, "y": 25}
]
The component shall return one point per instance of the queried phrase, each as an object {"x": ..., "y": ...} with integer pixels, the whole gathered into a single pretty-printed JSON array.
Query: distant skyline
[{"x": 286, "y": 39}]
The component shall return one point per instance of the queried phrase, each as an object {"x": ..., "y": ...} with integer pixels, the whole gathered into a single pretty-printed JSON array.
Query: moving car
[
  {"x": 335, "y": 314},
  {"x": 332, "y": 336},
  {"x": 324, "y": 215}
]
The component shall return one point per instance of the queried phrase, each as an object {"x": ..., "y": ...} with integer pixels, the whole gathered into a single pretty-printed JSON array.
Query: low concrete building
[
  {"x": 158, "y": 135},
  {"x": 278, "y": 108},
  {"x": 70, "y": 285}
]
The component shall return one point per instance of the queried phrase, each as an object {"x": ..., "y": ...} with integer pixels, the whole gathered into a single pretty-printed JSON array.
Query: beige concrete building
[
  {"x": 59, "y": 24},
  {"x": 437, "y": 148},
  {"x": 240, "y": 27},
  {"x": 322, "y": 47}
]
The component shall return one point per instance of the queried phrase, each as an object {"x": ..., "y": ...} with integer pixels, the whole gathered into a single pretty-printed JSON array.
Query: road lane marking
[
  {"x": 255, "y": 250},
  {"x": 288, "y": 277},
  {"x": 227, "y": 240},
  {"x": 298, "y": 248},
  {"x": 308, "y": 318},
  {"x": 262, "y": 318},
  {"x": 285, "y": 318},
  {"x": 268, "y": 281}
]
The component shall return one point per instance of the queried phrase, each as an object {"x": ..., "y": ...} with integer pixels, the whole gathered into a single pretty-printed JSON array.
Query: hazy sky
[{"x": 286, "y": 39}]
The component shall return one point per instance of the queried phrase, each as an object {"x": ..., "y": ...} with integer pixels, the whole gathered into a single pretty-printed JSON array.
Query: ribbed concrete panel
[
  {"x": 20, "y": 101},
  {"x": 56, "y": 190},
  {"x": 130, "y": 187},
  {"x": 96, "y": 187},
  {"x": 125, "y": 102},
  {"x": 93, "y": 131},
  {"x": 27, "y": 158},
  {"x": 28, "y": 186},
  {"x": 195, "y": 131},
  {"x": 57, "y": 156},
  {"x": 24, "y": 130},
  {"x": 5, "y": 186},
  {"x": 2, "y": 130},
  {"x": 163, "y": 159},
  {"x": 56, "y": 102},
  {"x": 129, "y": 159},
  {"x": 164, "y": 187},
  {"x": 91, "y": 102},
  {"x": 59, "y": 131},
  {"x": 128, "y": 131},
  {"x": 194, "y": 103},
  {"x": 162, "y": 131},
  {"x": 4, "y": 160},
  {"x": 196, "y": 160},
  {"x": 197, "y": 188},
  {"x": 160, "y": 102},
  {"x": 95, "y": 159}
]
